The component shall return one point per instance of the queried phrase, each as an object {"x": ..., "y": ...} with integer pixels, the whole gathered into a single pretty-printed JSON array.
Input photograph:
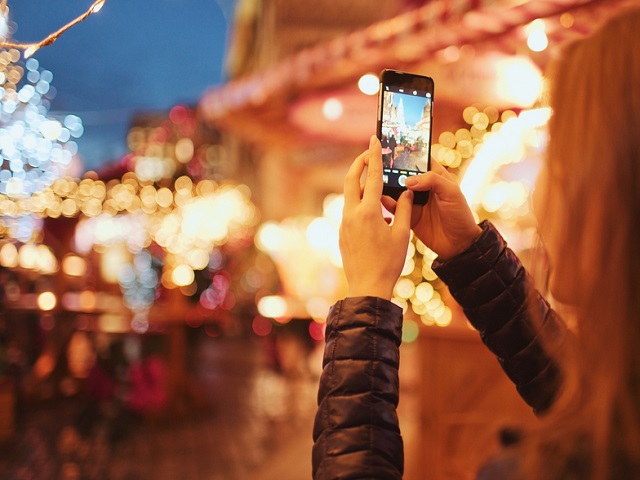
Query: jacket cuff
[
  {"x": 371, "y": 312},
  {"x": 476, "y": 260}
]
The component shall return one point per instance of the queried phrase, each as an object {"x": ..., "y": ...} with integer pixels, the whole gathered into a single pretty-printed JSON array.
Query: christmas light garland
[{"x": 31, "y": 48}]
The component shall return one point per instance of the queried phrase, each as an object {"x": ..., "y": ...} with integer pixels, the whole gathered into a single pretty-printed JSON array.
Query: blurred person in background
[{"x": 583, "y": 384}]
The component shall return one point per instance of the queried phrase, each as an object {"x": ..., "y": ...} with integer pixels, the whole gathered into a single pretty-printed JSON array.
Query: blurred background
[{"x": 170, "y": 197}]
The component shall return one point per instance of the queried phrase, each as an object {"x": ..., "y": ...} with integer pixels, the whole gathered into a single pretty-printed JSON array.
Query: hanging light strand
[{"x": 31, "y": 48}]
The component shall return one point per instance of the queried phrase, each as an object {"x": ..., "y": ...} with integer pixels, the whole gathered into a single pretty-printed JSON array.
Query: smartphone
[{"x": 405, "y": 106}]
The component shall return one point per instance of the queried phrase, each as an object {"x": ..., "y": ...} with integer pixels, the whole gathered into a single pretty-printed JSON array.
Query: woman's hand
[
  {"x": 373, "y": 252},
  {"x": 445, "y": 224}
]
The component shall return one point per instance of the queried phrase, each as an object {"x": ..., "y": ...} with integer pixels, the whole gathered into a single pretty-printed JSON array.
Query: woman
[{"x": 586, "y": 387}]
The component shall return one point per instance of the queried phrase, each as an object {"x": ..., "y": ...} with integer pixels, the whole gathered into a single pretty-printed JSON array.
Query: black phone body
[{"x": 405, "y": 114}]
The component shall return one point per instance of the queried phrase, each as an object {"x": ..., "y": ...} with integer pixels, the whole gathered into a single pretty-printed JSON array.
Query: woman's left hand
[{"x": 373, "y": 252}]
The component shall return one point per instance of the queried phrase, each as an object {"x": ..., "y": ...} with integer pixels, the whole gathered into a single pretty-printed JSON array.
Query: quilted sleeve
[
  {"x": 356, "y": 433},
  {"x": 501, "y": 302}
]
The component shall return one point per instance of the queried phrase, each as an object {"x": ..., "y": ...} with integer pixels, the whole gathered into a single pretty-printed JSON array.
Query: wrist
[
  {"x": 463, "y": 245},
  {"x": 370, "y": 291}
]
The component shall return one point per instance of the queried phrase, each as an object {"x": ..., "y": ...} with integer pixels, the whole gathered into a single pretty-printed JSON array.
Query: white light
[
  {"x": 272, "y": 306},
  {"x": 50, "y": 129},
  {"x": 30, "y": 51},
  {"x": 270, "y": 237},
  {"x": 537, "y": 41},
  {"x": 4, "y": 23},
  {"x": 332, "y": 109},
  {"x": 498, "y": 150},
  {"x": 322, "y": 235},
  {"x": 519, "y": 82},
  {"x": 97, "y": 7},
  {"x": 369, "y": 84}
]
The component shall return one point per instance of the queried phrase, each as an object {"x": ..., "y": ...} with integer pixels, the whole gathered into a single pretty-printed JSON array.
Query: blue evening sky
[
  {"x": 413, "y": 107},
  {"x": 134, "y": 55}
]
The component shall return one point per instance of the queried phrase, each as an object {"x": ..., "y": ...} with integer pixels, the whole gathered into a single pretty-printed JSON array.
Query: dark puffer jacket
[{"x": 356, "y": 433}]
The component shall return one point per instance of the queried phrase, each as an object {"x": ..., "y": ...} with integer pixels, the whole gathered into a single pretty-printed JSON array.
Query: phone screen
[{"x": 405, "y": 131}]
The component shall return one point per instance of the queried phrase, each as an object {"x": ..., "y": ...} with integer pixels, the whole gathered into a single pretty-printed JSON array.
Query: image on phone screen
[{"x": 405, "y": 132}]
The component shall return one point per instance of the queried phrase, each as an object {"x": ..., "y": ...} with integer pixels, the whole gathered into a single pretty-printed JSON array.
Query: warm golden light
[
  {"x": 87, "y": 300},
  {"x": 269, "y": 237},
  {"x": 182, "y": 276},
  {"x": 424, "y": 292},
  {"x": 9, "y": 255},
  {"x": 47, "y": 301},
  {"x": 74, "y": 266},
  {"x": 405, "y": 288},
  {"x": 28, "y": 256},
  {"x": 272, "y": 306}
]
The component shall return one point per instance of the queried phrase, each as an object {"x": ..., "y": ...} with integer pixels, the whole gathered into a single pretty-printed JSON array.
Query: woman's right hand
[{"x": 445, "y": 224}]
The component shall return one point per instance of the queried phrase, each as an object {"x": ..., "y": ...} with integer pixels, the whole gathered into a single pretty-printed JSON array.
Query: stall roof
[{"x": 256, "y": 107}]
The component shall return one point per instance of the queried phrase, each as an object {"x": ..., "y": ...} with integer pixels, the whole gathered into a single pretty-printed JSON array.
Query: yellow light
[
  {"x": 444, "y": 319},
  {"x": 272, "y": 306},
  {"x": 112, "y": 260},
  {"x": 9, "y": 255},
  {"x": 182, "y": 276},
  {"x": 369, "y": 84},
  {"x": 419, "y": 308},
  {"x": 47, "y": 301},
  {"x": 405, "y": 288},
  {"x": 409, "y": 266},
  {"x": 428, "y": 273},
  {"x": 184, "y": 150},
  {"x": 270, "y": 237},
  {"x": 318, "y": 308},
  {"x": 28, "y": 256},
  {"x": 519, "y": 81},
  {"x": 198, "y": 258},
  {"x": 46, "y": 262},
  {"x": 74, "y": 266},
  {"x": 87, "y": 300},
  {"x": 424, "y": 292},
  {"x": 164, "y": 197}
]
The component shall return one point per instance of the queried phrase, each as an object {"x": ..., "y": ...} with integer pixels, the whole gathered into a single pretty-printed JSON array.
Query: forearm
[
  {"x": 356, "y": 433},
  {"x": 513, "y": 319}
]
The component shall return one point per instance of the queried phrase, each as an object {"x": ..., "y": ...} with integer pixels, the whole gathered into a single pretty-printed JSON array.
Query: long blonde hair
[{"x": 593, "y": 195}]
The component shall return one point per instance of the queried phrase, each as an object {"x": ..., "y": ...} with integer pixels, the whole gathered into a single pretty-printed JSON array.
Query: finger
[
  {"x": 373, "y": 187},
  {"x": 439, "y": 169},
  {"x": 388, "y": 203},
  {"x": 402, "y": 219},
  {"x": 352, "y": 188},
  {"x": 443, "y": 187}
]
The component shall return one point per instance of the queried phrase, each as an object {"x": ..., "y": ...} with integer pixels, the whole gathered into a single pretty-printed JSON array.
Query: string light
[{"x": 30, "y": 48}]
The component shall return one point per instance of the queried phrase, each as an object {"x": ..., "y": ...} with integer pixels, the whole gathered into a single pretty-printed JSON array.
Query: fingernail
[
  {"x": 409, "y": 194},
  {"x": 372, "y": 140},
  {"x": 411, "y": 181}
]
